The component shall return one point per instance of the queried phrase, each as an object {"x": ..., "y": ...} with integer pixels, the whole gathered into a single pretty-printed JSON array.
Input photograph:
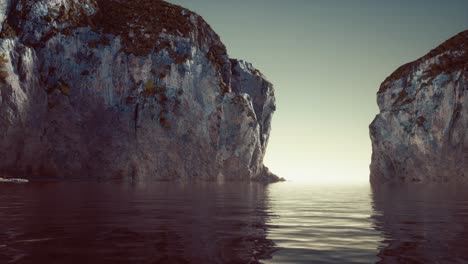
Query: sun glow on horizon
[
  {"x": 326, "y": 60},
  {"x": 319, "y": 170}
]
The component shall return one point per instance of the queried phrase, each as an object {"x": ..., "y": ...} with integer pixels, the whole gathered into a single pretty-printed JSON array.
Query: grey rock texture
[
  {"x": 421, "y": 132},
  {"x": 126, "y": 89},
  {"x": 4, "y": 9}
]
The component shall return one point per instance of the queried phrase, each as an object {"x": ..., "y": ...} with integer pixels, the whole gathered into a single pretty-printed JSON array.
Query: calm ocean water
[{"x": 90, "y": 222}]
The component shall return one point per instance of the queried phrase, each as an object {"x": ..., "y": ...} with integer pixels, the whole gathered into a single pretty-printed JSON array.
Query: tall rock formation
[
  {"x": 421, "y": 133},
  {"x": 126, "y": 89}
]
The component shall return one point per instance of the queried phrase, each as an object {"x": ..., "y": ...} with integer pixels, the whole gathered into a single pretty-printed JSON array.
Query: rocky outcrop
[
  {"x": 126, "y": 89},
  {"x": 421, "y": 132}
]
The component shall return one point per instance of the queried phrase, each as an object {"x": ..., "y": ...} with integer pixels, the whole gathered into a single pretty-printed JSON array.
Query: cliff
[
  {"x": 126, "y": 89},
  {"x": 421, "y": 132}
]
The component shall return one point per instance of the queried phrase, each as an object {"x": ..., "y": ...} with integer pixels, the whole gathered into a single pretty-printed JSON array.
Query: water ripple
[{"x": 88, "y": 222}]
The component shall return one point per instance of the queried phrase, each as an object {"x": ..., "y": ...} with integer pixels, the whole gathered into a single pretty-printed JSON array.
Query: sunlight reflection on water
[
  {"x": 89, "y": 222},
  {"x": 322, "y": 224}
]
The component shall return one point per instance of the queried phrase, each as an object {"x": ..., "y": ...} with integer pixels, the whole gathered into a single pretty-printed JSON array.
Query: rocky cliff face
[
  {"x": 117, "y": 89},
  {"x": 421, "y": 132}
]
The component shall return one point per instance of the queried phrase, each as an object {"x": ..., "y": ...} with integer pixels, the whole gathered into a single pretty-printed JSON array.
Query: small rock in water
[{"x": 14, "y": 180}]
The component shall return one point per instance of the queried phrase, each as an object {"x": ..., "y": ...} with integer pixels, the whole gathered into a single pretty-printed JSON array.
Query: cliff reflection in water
[
  {"x": 80, "y": 222},
  {"x": 91, "y": 222},
  {"x": 422, "y": 224}
]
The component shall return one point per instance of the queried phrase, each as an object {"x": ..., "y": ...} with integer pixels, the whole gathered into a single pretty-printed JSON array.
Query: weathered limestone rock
[
  {"x": 421, "y": 132},
  {"x": 126, "y": 89}
]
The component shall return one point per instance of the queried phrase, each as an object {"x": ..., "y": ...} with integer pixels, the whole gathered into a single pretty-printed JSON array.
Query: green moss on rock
[{"x": 3, "y": 72}]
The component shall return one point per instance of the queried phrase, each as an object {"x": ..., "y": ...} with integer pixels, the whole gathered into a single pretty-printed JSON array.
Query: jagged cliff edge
[
  {"x": 420, "y": 134},
  {"x": 126, "y": 89}
]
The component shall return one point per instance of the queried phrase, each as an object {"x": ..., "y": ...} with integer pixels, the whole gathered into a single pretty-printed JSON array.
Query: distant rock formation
[
  {"x": 421, "y": 133},
  {"x": 135, "y": 89}
]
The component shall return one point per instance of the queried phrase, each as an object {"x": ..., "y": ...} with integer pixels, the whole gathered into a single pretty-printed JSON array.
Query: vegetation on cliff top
[{"x": 446, "y": 63}]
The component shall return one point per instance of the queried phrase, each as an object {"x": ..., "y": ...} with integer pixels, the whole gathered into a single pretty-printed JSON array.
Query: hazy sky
[{"x": 327, "y": 59}]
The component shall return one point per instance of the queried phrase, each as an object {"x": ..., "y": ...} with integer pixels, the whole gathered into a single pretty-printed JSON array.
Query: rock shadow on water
[
  {"x": 421, "y": 223},
  {"x": 89, "y": 222}
]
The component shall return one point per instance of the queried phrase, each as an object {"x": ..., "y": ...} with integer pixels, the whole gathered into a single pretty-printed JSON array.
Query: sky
[{"x": 327, "y": 59}]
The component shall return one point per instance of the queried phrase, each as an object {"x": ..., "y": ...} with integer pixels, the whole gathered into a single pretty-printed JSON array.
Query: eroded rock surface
[
  {"x": 421, "y": 132},
  {"x": 126, "y": 89}
]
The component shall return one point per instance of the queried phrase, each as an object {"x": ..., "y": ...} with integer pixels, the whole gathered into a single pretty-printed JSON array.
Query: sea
[{"x": 61, "y": 222}]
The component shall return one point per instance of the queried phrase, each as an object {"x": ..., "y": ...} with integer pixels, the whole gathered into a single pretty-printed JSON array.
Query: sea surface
[{"x": 141, "y": 222}]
